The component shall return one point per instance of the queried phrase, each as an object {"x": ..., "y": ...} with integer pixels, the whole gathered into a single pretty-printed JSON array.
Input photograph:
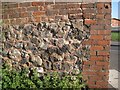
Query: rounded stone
[
  {"x": 36, "y": 60},
  {"x": 15, "y": 54},
  {"x": 40, "y": 69}
]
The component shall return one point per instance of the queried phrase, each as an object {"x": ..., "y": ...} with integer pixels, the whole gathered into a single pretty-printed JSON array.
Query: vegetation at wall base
[{"x": 23, "y": 79}]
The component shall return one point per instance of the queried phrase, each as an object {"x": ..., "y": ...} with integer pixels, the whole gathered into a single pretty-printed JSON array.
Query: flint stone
[
  {"x": 20, "y": 36},
  {"x": 19, "y": 45},
  {"x": 40, "y": 69},
  {"x": 8, "y": 45},
  {"x": 27, "y": 29},
  {"x": 78, "y": 24},
  {"x": 51, "y": 50},
  {"x": 53, "y": 26},
  {"x": 35, "y": 40},
  {"x": 4, "y": 53},
  {"x": 25, "y": 55},
  {"x": 37, "y": 61},
  {"x": 35, "y": 33},
  {"x": 48, "y": 35},
  {"x": 14, "y": 54},
  {"x": 54, "y": 32},
  {"x": 47, "y": 65},
  {"x": 43, "y": 45},
  {"x": 79, "y": 53},
  {"x": 23, "y": 61},
  {"x": 64, "y": 48},
  {"x": 66, "y": 66},
  {"x": 7, "y": 35},
  {"x": 57, "y": 66}
]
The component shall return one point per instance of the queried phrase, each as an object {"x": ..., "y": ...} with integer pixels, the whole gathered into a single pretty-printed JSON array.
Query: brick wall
[{"x": 96, "y": 16}]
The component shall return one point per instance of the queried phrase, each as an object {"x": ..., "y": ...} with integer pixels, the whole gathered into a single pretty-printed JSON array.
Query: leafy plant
[{"x": 25, "y": 79}]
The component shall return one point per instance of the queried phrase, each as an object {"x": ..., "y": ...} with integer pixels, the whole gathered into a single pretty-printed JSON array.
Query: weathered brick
[
  {"x": 100, "y": 5},
  {"x": 89, "y": 21},
  {"x": 32, "y": 8},
  {"x": 89, "y": 10},
  {"x": 89, "y": 5},
  {"x": 38, "y": 3},
  {"x": 63, "y": 12},
  {"x": 39, "y": 13},
  {"x": 105, "y": 42},
  {"x": 77, "y": 11},
  {"x": 20, "y": 9},
  {"x": 92, "y": 52},
  {"x": 37, "y": 19},
  {"x": 95, "y": 78},
  {"x": 107, "y": 16},
  {"x": 25, "y": 4},
  {"x": 89, "y": 16},
  {"x": 14, "y": 15},
  {"x": 24, "y": 14},
  {"x": 104, "y": 32},
  {"x": 91, "y": 82},
  {"x": 96, "y": 58},
  {"x": 107, "y": 37},
  {"x": 102, "y": 83},
  {"x": 62, "y": 6},
  {"x": 89, "y": 73},
  {"x": 51, "y": 12},
  {"x": 100, "y": 16},
  {"x": 97, "y": 37},
  {"x": 97, "y": 27},
  {"x": 73, "y": 5},
  {"x": 103, "y": 53},
  {"x": 102, "y": 63},
  {"x": 9, "y": 5},
  {"x": 88, "y": 62}
]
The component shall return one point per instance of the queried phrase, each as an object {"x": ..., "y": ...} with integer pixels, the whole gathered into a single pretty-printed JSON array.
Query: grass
[{"x": 115, "y": 36}]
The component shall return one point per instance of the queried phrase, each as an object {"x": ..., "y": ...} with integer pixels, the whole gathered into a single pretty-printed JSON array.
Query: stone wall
[{"x": 70, "y": 36}]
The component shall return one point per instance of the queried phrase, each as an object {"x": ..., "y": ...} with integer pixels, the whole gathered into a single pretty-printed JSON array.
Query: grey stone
[
  {"x": 40, "y": 69},
  {"x": 36, "y": 60},
  {"x": 19, "y": 45},
  {"x": 20, "y": 36},
  {"x": 4, "y": 53},
  {"x": 64, "y": 48},
  {"x": 57, "y": 66},
  {"x": 35, "y": 32},
  {"x": 42, "y": 45},
  {"x": 7, "y": 35},
  {"x": 53, "y": 26},
  {"x": 78, "y": 24},
  {"x": 51, "y": 50},
  {"x": 35, "y": 40},
  {"x": 47, "y": 65},
  {"x": 25, "y": 55},
  {"x": 79, "y": 53},
  {"x": 8, "y": 44},
  {"x": 66, "y": 66},
  {"x": 15, "y": 54},
  {"x": 23, "y": 61},
  {"x": 27, "y": 29},
  {"x": 26, "y": 38}
]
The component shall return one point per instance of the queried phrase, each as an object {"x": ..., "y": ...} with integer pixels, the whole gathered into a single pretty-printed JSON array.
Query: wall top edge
[{"x": 88, "y": 1}]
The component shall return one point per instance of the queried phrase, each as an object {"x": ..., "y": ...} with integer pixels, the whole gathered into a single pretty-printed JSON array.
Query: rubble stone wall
[{"x": 64, "y": 37}]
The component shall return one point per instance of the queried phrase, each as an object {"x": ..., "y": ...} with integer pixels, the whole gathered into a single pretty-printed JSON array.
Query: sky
[{"x": 115, "y": 10}]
